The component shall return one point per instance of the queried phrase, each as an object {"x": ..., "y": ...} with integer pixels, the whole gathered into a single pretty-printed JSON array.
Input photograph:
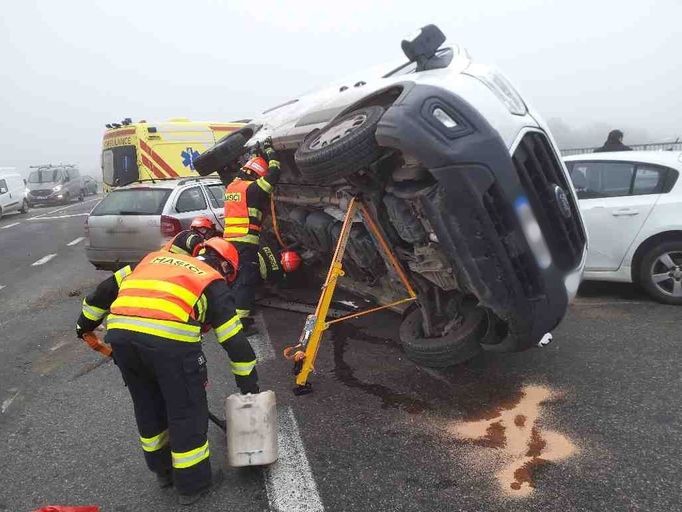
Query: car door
[
  {"x": 216, "y": 194},
  {"x": 615, "y": 199},
  {"x": 190, "y": 203}
]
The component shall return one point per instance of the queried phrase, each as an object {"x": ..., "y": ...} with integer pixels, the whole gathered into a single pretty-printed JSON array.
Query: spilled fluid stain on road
[{"x": 520, "y": 445}]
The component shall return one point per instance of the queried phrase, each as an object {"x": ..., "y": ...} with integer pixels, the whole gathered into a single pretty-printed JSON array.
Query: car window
[
  {"x": 138, "y": 201},
  {"x": 217, "y": 195},
  {"x": 648, "y": 180},
  {"x": 3, "y": 184},
  {"x": 190, "y": 200},
  {"x": 602, "y": 179}
]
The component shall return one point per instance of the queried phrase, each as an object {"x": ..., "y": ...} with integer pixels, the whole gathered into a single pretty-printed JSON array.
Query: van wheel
[
  {"x": 341, "y": 148},
  {"x": 67, "y": 198},
  {"x": 24, "y": 207},
  {"x": 81, "y": 196},
  {"x": 457, "y": 346},
  {"x": 660, "y": 272},
  {"x": 224, "y": 153}
]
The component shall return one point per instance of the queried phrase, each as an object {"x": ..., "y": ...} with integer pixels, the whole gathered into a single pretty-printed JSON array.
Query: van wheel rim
[
  {"x": 339, "y": 131},
  {"x": 666, "y": 273}
]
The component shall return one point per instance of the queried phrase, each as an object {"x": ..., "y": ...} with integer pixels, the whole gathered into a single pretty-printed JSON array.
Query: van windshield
[
  {"x": 136, "y": 201},
  {"x": 45, "y": 176}
]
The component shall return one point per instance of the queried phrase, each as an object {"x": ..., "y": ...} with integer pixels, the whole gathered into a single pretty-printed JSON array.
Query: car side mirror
[{"x": 3, "y": 190}]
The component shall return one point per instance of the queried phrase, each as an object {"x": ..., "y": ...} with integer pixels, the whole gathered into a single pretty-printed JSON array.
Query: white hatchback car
[{"x": 631, "y": 203}]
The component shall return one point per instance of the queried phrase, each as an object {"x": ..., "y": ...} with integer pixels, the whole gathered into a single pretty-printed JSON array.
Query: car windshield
[
  {"x": 138, "y": 201},
  {"x": 45, "y": 176}
]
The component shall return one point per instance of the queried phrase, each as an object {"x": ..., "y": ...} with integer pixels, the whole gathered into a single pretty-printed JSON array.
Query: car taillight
[{"x": 170, "y": 226}]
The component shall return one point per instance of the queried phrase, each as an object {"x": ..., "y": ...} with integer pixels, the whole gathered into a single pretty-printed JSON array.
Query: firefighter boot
[{"x": 189, "y": 499}]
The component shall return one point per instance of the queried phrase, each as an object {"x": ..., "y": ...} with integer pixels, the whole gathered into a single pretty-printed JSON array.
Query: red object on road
[
  {"x": 63, "y": 508},
  {"x": 96, "y": 344}
]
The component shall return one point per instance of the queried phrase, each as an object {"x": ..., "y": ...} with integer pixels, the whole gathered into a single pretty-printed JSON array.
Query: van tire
[
  {"x": 24, "y": 206},
  {"x": 325, "y": 156},
  {"x": 222, "y": 154},
  {"x": 67, "y": 198},
  {"x": 81, "y": 196},
  {"x": 459, "y": 345}
]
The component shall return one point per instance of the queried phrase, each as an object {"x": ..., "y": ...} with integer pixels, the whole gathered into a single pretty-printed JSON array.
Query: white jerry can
[{"x": 251, "y": 429}]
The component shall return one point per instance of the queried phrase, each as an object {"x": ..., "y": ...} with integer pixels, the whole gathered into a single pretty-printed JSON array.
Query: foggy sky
[{"x": 70, "y": 67}]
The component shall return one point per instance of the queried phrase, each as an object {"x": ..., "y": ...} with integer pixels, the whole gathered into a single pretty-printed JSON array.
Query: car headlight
[
  {"x": 500, "y": 86},
  {"x": 27, "y": 191},
  {"x": 57, "y": 188}
]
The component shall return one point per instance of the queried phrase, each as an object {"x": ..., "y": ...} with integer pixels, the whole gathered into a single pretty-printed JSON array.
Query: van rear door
[{"x": 119, "y": 165}]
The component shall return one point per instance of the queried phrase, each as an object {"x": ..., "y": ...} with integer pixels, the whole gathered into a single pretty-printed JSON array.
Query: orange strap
[
  {"x": 275, "y": 227},
  {"x": 294, "y": 353},
  {"x": 96, "y": 344}
]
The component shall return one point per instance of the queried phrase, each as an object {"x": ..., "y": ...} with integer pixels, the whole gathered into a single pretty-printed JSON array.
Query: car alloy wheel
[{"x": 666, "y": 273}]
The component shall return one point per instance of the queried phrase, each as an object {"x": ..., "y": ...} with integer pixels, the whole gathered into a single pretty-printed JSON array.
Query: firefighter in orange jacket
[
  {"x": 156, "y": 311},
  {"x": 246, "y": 201}
]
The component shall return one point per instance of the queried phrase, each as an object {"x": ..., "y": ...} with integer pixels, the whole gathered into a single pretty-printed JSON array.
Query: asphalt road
[{"x": 591, "y": 422}]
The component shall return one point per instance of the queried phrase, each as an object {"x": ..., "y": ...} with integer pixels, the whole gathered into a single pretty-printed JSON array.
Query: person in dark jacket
[{"x": 614, "y": 142}]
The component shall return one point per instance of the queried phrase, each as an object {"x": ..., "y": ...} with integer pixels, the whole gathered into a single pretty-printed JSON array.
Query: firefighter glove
[{"x": 79, "y": 331}]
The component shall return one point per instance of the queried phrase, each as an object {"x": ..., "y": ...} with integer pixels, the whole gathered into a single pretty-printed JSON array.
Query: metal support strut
[{"x": 304, "y": 354}]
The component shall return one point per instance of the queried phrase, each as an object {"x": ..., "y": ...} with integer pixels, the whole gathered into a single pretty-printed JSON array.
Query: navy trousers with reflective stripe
[
  {"x": 248, "y": 277},
  {"x": 167, "y": 380}
]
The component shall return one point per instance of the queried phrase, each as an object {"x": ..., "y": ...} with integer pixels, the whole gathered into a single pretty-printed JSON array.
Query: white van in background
[{"x": 12, "y": 193}]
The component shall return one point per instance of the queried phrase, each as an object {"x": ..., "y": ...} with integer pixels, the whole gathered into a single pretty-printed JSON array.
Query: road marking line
[
  {"x": 8, "y": 402},
  {"x": 64, "y": 208},
  {"x": 2, "y": 286},
  {"x": 62, "y": 216},
  {"x": 43, "y": 260},
  {"x": 260, "y": 342},
  {"x": 289, "y": 482},
  {"x": 76, "y": 241},
  {"x": 10, "y": 225}
]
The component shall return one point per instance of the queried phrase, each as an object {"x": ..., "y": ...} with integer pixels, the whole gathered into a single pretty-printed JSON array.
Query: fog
[{"x": 71, "y": 67}]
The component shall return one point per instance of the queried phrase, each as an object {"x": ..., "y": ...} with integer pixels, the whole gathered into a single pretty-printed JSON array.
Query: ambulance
[{"x": 150, "y": 151}]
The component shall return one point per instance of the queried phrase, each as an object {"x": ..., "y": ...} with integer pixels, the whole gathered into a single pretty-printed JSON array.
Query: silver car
[{"x": 134, "y": 220}]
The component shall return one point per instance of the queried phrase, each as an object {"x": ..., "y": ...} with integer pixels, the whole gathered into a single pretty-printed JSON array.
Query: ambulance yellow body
[{"x": 156, "y": 150}]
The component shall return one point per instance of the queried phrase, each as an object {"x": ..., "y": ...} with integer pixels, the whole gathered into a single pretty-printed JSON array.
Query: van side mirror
[
  {"x": 423, "y": 46},
  {"x": 3, "y": 190},
  {"x": 66, "y": 178}
]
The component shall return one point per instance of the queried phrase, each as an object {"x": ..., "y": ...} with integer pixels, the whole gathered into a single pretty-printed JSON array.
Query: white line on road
[
  {"x": 61, "y": 216},
  {"x": 64, "y": 208},
  {"x": 608, "y": 303},
  {"x": 261, "y": 342},
  {"x": 43, "y": 260},
  {"x": 76, "y": 241},
  {"x": 2, "y": 286},
  {"x": 10, "y": 225},
  {"x": 8, "y": 402},
  {"x": 289, "y": 482}
]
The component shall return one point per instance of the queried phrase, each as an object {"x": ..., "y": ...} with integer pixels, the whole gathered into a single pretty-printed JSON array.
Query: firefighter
[
  {"x": 246, "y": 201},
  {"x": 188, "y": 241},
  {"x": 274, "y": 270},
  {"x": 156, "y": 310}
]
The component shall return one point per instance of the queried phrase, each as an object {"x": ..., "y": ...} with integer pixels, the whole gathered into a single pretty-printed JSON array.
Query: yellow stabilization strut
[{"x": 305, "y": 353}]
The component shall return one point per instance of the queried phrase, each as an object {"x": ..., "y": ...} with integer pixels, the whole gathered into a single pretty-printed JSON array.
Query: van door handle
[{"x": 625, "y": 212}]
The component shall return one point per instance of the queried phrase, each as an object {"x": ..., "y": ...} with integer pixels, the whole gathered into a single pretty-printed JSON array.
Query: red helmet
[
  {"x": 202, "y": 222},
  {"x": 257, "y": 165},
  {"x": 228, "y": 253},
  {"x": 290, "y": 261}
]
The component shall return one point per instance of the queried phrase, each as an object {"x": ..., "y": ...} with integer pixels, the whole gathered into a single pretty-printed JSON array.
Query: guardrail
[{"x": 653, "y": 146}]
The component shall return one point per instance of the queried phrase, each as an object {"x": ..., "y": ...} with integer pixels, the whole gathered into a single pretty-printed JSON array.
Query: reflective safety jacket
[
  {"x": 269, "y": 265},
  {"x": 170, "y": 296},
  {"x": 246, "y": 203}
]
